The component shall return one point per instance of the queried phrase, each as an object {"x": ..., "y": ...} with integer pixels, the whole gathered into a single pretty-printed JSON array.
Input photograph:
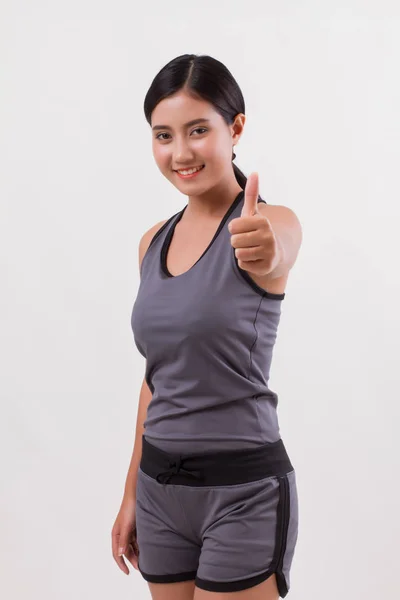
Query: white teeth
[{"x": 190, "y": 171}]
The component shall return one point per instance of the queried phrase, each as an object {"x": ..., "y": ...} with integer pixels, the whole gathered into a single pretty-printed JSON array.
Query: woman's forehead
[{"x": 180, "y": 109}]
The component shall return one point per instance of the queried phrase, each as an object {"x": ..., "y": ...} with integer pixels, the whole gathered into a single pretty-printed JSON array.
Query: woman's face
[{"x": 177, "y": 145}]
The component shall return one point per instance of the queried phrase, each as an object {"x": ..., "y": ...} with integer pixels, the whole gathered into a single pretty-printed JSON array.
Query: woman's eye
[
  {"x": 158, "y": 136},
  {"x": 201, "y": 129}
]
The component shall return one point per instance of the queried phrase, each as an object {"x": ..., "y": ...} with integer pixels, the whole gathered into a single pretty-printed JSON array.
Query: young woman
[{"x": 210, "y": 508}]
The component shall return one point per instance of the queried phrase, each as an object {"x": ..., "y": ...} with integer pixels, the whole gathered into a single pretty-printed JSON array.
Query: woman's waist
[{"x": 214, "y": 466}]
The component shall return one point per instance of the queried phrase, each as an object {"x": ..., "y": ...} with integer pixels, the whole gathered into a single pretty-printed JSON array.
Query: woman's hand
[
  {"x": 123, "y": 536},
  {"x": 256, "y": 246}
]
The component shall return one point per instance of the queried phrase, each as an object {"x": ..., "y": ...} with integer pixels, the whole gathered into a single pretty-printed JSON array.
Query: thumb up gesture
[{"x": 256, "y": 246}]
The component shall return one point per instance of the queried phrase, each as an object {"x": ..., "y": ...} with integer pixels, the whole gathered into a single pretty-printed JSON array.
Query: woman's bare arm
[
  {"x": 145, "y": 393},
  {"x": 131, "y": 479}
]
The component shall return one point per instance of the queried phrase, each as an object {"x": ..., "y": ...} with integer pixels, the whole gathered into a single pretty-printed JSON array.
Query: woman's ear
[{"x": 237, "y": 127}]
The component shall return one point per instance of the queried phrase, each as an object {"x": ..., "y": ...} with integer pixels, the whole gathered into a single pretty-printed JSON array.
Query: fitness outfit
[{"x": 216, "y": 497}]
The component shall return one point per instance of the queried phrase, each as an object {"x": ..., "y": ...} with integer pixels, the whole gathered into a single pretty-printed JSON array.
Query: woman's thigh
[{"x": 182, "y": 590}]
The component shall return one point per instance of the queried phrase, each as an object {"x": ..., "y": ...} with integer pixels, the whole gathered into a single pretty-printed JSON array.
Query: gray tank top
[{"x": 207, "y": 336}]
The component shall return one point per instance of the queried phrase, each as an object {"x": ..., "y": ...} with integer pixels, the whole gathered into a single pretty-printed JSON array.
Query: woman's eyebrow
[{"x": 194, "y": 122}]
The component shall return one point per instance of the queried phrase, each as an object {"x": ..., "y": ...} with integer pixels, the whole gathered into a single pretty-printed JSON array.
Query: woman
[{"x": 210, "y": 507}]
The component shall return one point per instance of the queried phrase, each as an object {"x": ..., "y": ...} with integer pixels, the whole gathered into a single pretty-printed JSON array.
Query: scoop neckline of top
[{"x": 168, "y": 237}]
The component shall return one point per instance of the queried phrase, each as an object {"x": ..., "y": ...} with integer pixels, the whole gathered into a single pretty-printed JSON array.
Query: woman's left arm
[{"x": 288, "y": 232}]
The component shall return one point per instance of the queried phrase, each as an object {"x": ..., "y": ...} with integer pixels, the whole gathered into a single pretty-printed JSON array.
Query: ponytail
[{"x": 242, "y": 179}]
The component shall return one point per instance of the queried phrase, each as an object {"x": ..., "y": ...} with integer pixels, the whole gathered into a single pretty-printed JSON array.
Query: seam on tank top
[
  {"x": 256, "y": 338},
  {"x": 255, "y": 397}
]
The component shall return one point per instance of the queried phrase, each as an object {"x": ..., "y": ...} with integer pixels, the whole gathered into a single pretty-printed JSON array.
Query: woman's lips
[{"x": 191, "y": 174}]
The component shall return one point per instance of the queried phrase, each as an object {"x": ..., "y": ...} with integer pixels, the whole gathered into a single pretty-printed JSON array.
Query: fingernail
[{"x": 120, "y": 551}]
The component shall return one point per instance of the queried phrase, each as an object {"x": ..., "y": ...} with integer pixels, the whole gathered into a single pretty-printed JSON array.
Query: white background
[{"x": 79, "y": 186}]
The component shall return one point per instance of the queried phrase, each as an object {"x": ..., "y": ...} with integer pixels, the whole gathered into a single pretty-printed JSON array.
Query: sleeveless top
[{"x": 207, "y": 336}]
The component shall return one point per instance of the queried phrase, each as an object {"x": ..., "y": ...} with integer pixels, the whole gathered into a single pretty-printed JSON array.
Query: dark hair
[{"x": 203, "y": 77}]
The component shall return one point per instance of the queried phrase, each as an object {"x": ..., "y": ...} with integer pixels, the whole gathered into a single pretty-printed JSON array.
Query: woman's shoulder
[{"x": 147, "y": 237}]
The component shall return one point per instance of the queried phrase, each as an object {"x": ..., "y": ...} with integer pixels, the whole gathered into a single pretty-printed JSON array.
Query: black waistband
[{"x": 227, "y": 467}]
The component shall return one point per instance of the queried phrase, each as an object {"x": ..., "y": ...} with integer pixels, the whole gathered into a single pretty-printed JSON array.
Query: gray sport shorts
[{"x": 227, "y": 520}]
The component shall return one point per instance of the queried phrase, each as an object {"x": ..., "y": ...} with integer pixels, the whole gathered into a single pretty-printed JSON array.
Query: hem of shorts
[
  {"x": 244, "y": 584},
  {"x": 173, "y": 578}
]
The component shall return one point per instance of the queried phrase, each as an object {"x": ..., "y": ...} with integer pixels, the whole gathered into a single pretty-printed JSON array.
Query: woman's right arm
[
  {"x": 123, "y": 534},
  {"x": 131, "y": 479},
  {"x": 145, "y": 393}
]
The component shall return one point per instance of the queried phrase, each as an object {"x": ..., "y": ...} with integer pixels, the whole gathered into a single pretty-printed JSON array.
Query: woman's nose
[{"x": 182, "y": 153}]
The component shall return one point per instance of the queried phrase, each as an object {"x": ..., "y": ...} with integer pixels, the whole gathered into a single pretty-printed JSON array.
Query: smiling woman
[
  {"x": 211, "y": 465},
  {"x": 205, "y": 141}
]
